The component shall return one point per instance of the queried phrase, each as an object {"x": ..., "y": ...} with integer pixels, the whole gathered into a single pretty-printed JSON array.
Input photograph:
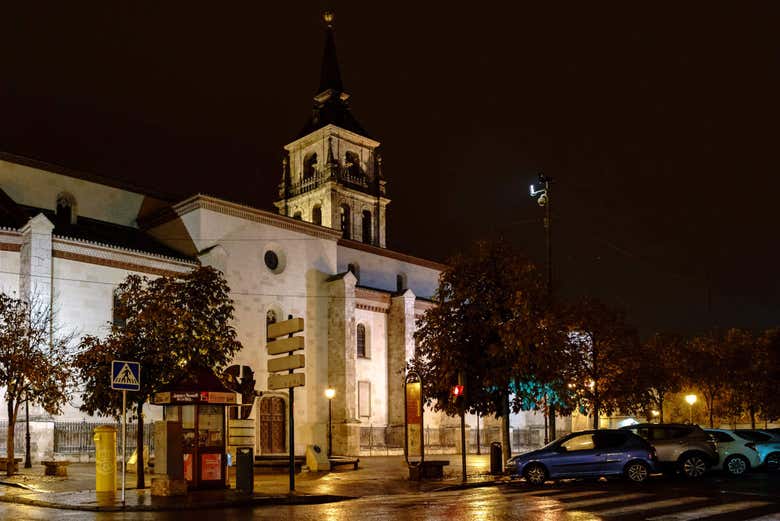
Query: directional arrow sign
[
  {"x": 285, "y": 363},
  {"x": 285, "y": 345},
  {"x": 288, "y": 327},
  {"x": 285, "y": 381}
]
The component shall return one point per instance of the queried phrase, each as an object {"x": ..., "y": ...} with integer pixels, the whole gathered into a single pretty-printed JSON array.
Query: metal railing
[{"x": 77, "y": 438}]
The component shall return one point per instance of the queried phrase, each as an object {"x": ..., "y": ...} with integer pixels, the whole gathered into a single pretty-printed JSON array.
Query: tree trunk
[
  {"x": 551, "y": 424},
  {"x": 752, "y": 417},
  {"x": 139, "y": 448},
  {"x": 505, "y": 436},
  {"x": 9, "y": 467},
  {"x": 595, "y": 409},
  {"x": 661, "y": 408},
  {"x": 711, "y": 406}
]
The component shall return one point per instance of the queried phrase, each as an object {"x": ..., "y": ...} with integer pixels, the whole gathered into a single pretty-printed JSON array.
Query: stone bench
[
  {"x": 56, "y": 468},
  {"x": 339, "y": 461},
  {"x": 15, "y": 464},
  {"x": 428, "y": 469}
]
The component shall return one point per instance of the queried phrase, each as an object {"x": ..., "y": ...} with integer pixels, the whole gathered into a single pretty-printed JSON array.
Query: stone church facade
[{"x": 70, "y": 238}]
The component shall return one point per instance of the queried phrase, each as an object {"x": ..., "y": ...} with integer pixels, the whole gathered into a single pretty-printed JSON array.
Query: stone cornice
[
  {"x": 332, "y": 130},
  {"x": 104, "y": 255},
  {"x": 384, "y": 252},
  {"x": 10, "y": 240},
  {"x": 205, "y": 202},
  {"x": 372, "y": 300}
]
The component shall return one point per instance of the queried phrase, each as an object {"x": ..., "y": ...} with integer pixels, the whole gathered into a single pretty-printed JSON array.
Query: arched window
[
  {"x": 361, "y": 341},
  {"x": 400, "y": 282},
  {"x": 352, "y": 164},
  {"x": 309, "y": 165},
  {"x": 66, "y": 209},
  {"x": 345, "y": 221},
  {"x": 367, "y": 227},
  {"x": 117, "y": 315},
  {"x": 297, "y": 215},
  {"x": 316, "y": 215}
]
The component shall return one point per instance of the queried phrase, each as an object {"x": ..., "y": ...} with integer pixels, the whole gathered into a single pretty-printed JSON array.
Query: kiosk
[{"x": 198, "y": 401}]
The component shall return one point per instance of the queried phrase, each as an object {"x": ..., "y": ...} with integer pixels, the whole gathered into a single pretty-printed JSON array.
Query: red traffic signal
[{"x": 457, "y": 390}]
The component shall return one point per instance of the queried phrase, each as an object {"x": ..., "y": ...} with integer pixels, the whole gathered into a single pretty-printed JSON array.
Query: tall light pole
[
  {"x": 329, "y": 394},
  {"x": 691, "y": 399},
  {"x": 542, "y": 195}
]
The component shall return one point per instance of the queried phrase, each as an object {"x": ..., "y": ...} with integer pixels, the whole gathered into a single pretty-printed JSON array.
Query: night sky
[{"x": 659, "y": 123}]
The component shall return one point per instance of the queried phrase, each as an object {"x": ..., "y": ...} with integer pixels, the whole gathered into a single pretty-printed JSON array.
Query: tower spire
[{"x": 330, "y": 75}]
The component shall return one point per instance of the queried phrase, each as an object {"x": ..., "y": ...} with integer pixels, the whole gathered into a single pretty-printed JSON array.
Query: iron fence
[
  {"x": 78, "y": 437},
  {"x": 19, "y": 433}
]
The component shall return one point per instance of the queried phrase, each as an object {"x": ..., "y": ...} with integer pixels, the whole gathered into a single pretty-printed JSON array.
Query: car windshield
[{"x": 753, "y": 435}]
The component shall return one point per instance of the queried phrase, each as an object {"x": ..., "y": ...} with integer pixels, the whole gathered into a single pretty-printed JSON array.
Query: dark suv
[{"x": 680, "y": 447}]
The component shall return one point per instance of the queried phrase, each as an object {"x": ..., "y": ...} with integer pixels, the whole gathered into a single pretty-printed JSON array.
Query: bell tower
[{"x": 332, "y": 173}]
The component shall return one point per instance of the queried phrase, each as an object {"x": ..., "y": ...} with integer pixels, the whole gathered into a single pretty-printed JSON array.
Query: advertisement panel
[{"x": 414, "y": 419}]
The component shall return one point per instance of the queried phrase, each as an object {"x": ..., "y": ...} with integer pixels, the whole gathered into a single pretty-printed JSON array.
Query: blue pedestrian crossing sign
[{"x": 125, "y": 376}]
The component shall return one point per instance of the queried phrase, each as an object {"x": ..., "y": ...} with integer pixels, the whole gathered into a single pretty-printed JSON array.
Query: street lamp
[
  {"x": 691, "y": 399},
  {"x": 542, "y": 196},
  {"x": 329, "y": 394},
  {"x": 655, "y": 413}
]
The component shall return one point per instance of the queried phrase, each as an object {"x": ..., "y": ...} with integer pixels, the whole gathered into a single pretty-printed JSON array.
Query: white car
[{"x": 736, "y": 455}]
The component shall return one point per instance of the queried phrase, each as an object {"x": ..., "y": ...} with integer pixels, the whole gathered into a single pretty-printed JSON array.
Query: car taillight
[
  {"x": 751, "y": 445},
  {"x": 652, "y": 455}
]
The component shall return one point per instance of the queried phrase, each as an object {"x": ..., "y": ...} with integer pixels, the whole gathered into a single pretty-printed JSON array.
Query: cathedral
[{"x": 70, "y": 238}]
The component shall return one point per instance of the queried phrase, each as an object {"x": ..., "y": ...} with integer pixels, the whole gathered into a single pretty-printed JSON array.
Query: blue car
[{"x": 588, "y": 454}]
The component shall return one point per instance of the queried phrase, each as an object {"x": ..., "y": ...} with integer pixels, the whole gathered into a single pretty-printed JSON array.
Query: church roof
[
  {"x": 110, "y": 234},
  {"x": 331, "y": 105}
]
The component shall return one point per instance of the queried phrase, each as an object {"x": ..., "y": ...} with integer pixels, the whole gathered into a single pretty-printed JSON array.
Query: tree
[
  {"x": 768, "y": 404},
  {"x": 166, "y": 323},
  {"x": 35, "y": 361},
  {"x": 604, "y": 348},
  {"x": 461, "y": 337},
  {"x": 660, "y": 361},
  {"x": 706, "y": 368}
]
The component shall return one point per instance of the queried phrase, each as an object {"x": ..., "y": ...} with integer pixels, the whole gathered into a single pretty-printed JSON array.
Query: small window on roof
[{"x": 66, "y": 208}]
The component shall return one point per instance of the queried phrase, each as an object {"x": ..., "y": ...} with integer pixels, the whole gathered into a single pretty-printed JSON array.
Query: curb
[
  {"x": 467, "y": 486},
  {"x": 240, "y": 502}
]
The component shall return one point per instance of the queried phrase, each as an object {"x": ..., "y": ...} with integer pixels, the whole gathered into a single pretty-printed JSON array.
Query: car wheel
[
  {"x": 736, "y": 465},
  {"x": 637, "y": 472},
  {"x": 773, "y": 461},
  {"x": 693, "y": 466},
  {"x": 535, "y": 474}
]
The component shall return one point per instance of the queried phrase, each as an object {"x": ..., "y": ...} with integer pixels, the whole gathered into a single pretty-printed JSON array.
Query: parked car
[
  {"x": 767, "y": 445},
  {"x": 680, "y": 447},
  {"x": 606, "y": 452},
  {"x": 736, "y": 455}
]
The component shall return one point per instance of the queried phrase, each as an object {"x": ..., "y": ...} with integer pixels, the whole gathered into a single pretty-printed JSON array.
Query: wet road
[{"x": 658, "y": 501}]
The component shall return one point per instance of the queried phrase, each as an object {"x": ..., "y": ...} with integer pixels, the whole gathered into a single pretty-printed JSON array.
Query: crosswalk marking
[
  {"x": 713, "y": 510},
  {"x": 678, "y": 501},
  {"x": 600, "y": 500},
  {"x": 568, "y": 495},
  {"x": 770, "y": 517}
]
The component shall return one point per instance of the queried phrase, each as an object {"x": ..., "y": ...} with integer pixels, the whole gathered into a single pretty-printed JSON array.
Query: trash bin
[
  {"x": 105, "y": 458},
  {"x": 245, "y": 470},
  {"x": 496, "y": 455}
]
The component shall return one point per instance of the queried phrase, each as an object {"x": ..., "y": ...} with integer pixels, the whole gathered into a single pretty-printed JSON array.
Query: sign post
[
  {"x": 125, "y": 376},
  {"x": 291, "y": 380}
]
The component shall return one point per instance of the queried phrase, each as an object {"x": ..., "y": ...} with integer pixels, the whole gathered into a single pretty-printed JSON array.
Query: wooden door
[{"x": 272, "y": 426}]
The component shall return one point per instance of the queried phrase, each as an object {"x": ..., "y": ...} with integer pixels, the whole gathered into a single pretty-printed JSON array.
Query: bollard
[
  {"x": 105, "y": 458},
  {"x": 496, "y": 463}
]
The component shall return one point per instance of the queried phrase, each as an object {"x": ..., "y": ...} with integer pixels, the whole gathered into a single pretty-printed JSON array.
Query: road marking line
[
  {"x": 607, "y": 499},
  {"x": 714, "y": 510},
  {"x": 569, "y": 495},
  {"x": 769, "y": 517},
  {"x": 653, "y": 504}
]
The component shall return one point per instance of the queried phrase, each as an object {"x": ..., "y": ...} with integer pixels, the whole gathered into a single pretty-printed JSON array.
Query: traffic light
[{"x": 457, "y": 391}]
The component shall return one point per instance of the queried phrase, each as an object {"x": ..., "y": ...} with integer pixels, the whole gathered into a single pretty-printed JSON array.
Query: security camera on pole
[
  {"x": 277, "y": 346},
  {"x": 542, "y": 195}
]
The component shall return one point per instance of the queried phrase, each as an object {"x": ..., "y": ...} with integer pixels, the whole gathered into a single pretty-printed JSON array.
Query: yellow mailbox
[{"x": 105, "y": 458}]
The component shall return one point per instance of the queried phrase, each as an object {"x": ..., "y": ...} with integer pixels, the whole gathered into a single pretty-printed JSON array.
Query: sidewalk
[{"x": 376, "y": 475}]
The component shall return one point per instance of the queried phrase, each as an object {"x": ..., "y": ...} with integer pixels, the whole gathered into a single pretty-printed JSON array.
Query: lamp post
[
  {"x": 542, "y": 196},
  {"x": 329, "y": 394},
  {"x": 691, "y": 399}
]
